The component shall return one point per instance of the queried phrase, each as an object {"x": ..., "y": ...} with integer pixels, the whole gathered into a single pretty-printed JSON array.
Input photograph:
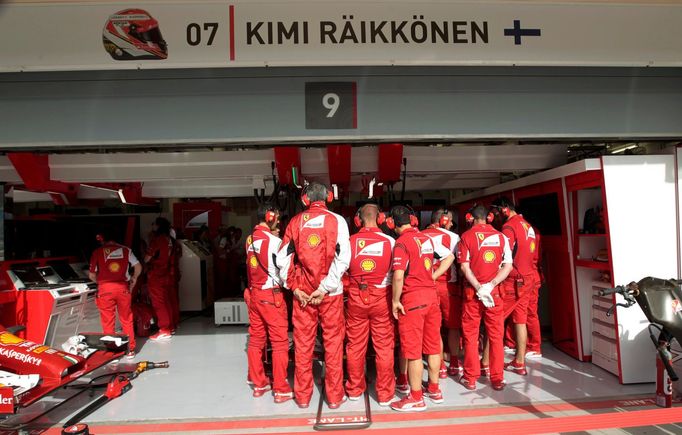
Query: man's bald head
[{"x": 369, "y": 214}]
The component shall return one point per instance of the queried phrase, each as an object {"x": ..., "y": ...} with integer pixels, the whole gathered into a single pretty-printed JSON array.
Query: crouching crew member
[
  {"x": 449, "y": 292},
  {"x": 267, "y": 310},
  {"x": 368, "y": 307},
  {"x": 415, "y": 305},
  {"x": 314, "y": 255},
  {"x": 485, "y": 260},
  {"x": 109, "y": 268},
  {"x": 519, "y": 286}
]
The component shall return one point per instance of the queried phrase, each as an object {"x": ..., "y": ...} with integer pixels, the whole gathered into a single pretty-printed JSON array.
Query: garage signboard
[{"x": 93, "y": 35}]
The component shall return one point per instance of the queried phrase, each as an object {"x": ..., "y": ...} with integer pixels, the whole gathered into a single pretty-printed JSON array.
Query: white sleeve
[
  {"x": 441, "y": 250},
  {"x": 132, "y": 259},
  {"x": 454, "y": 242},
  {"x": 332, "y": 282},
  {"x": 284, "y": 264},
  {"x": 506, "y": 254},
  {"x": 273, "y": 250}
]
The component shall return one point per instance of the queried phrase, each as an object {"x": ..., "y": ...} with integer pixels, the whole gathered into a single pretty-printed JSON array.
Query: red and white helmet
[{"x": 133, "y": 34}]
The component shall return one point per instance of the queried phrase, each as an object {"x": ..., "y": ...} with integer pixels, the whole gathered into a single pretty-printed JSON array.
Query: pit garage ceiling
[{"x": 202, "y": 173}]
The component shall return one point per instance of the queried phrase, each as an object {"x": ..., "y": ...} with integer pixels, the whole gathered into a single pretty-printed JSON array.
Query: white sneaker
[
  {"x": 509, "y": 350},
  {"x": 385, "y": 404},
  {"x": 354, "y": 398},
  {"x": 533, "y": 355}
]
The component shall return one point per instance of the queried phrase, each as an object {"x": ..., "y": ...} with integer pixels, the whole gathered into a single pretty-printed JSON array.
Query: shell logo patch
[
  {"x": 361, "y": 243},
  {"x": 306, "y": 217},
  {"x": 313, "y": 240},
  {"x": 427, "y": 263},
  {"x": 7, "y": 338},
  {"x": 532, "y": 246},
  {"x": 488, "y": 256},
  {"x": 253, "y": 261},
  {"x": 368, "y": 265},
  {"x": 114, "y": 267}
]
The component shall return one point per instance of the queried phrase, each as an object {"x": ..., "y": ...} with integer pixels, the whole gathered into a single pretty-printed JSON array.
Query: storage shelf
[
  {"x": 592, "y": 264},
  {"x": 601, "y": 284}
]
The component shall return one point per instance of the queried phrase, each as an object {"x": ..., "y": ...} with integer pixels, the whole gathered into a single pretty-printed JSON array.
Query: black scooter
[{"x": 661, "y": 302}]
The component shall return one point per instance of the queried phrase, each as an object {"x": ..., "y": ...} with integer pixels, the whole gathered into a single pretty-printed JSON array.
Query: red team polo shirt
[
  {"x": 485, "y": 249},
  {"x": 370, "y": 261},
  {"x": 414, "y": 253},
  {"x": 523, "y": 244},
  {"x": 261, "y": 248},
  {"x": 449, "y": 240},
  {"x": 160, "y": 250},
  {"x": 110, "y": 262}
]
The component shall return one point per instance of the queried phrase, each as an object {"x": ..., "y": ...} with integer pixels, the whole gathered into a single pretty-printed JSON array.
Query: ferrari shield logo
[
  {"x": 480, "y": 236},
  {"x": 249, "y": 240},
  {"x": 107, "y": 251},
  {"x": 532, "y": 246},
  {"x": 361, "y": 244},
  {"x": 306, "y": 217},
  {"x": 253, "y": 261}
]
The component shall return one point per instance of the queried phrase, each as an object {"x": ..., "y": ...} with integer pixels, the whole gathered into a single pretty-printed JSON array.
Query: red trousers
[
  {"x": 267, "y": 320},
  {"x": 159, "y": 292},
  {"x": 361, "y": 319},
  {"x": 330, "y": 314},
  {"x": 112, "y": 297},
  {"x": 533, "y": 322},
  {"x": 472, "y": 312}
]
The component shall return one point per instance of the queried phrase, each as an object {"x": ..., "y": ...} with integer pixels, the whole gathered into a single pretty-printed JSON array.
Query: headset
[
  {"x": 356, "y": 219},
  {"x": 469, "y": 218},
  {"x": 306, "y": 201},
  {"x": 503, "y": 208},
  {"x": 390, "y": 223},
  {"x": 100, "y": 238},
  {"x": 444, "y": 219}
]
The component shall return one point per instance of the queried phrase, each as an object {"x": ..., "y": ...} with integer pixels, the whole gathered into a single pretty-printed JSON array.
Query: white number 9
[{"x": 331, "y": 101}]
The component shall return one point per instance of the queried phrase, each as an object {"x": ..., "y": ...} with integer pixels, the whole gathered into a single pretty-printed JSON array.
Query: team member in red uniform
[
  {"x": 159, "y": 263},
  {"x": 533, "y": 349},
  {"x": 415, "y": 305},
  {"x": 448, "y": 291},
  {"x": 109, "y": 267},
  {"x": 519, "y": 285},
  {"x": 486, "y": 260},
  {"x": 368, "y": 307},
  {"x": 267, "y": 310},
  {"x": 314, "y": 255}
]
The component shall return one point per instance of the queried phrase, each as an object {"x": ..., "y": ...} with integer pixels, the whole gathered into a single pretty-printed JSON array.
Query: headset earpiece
[
  {"x": 505, "y": 211},
  {"x": 330, "y": 196},
  {"x": 381, "y": 218},
  {"x": 99, "y": 238},
  {"x": 444, "y": 219},
  {"x": 356, "y": 219},
  {"x": 390, "y": 223},
  {"x": 270, "y": 216},
  {"x": 490, "y": 217},
  {"x": 469, "y": 218},
  {"x": 414, "y": 221},
  {"x": 305, "y": 200}
]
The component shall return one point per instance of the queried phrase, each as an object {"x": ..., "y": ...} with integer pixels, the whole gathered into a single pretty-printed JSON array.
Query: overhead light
[
  {"x": 629, "y": 147},
  {"x": 122, "y": 196}
]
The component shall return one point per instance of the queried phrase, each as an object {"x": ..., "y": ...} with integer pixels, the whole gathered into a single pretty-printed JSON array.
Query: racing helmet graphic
[{"x": 133, "y": 34}]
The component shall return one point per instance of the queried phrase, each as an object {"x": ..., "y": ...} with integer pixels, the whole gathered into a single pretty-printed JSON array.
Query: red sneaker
[
  {"x": 281, "y": 397},
  {"x": 336, "y": 405},
  {"x": 499, "y": 385},
  {"x": 409, "y": 404},
  {"x": 455, "y": 369},
  {"x": 161, "y": 336},
  {"x": 260, "y": 391},
  {"x": 515, "y": 367},
  {"x": 434, "y": 396},
  {"x": 469, "y": 385},
  {"x": 301, "y": 404},
  {"x": 402, "y": 388},
  {"x": 485, "y": 370},
  {"x": 443, "y": 372}
]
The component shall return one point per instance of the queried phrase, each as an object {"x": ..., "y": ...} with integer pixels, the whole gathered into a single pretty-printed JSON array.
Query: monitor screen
[
  {"x": 64, "y": 270},
  {"x": 29, "y": 275}
]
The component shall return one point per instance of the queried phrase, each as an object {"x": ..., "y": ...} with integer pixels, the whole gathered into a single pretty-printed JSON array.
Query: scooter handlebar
[{"x": 609, "y": 291}]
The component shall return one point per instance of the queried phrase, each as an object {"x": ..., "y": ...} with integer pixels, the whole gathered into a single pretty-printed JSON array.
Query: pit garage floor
[{"x": 204, "y": 392}]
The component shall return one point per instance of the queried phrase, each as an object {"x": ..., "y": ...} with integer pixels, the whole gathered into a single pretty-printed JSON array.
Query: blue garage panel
[{"x": 268, "y": 105}]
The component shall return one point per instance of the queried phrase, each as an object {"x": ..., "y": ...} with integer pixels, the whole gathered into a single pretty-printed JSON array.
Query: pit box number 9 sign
[{"x": 331, "y": 105}]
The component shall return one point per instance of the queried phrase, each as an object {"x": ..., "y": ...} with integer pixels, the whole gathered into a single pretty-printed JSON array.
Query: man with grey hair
[{"x": 314, "y": 254}]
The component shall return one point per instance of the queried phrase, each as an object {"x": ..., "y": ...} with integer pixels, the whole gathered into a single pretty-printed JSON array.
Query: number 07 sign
[{"x": 331, "y": 105}]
